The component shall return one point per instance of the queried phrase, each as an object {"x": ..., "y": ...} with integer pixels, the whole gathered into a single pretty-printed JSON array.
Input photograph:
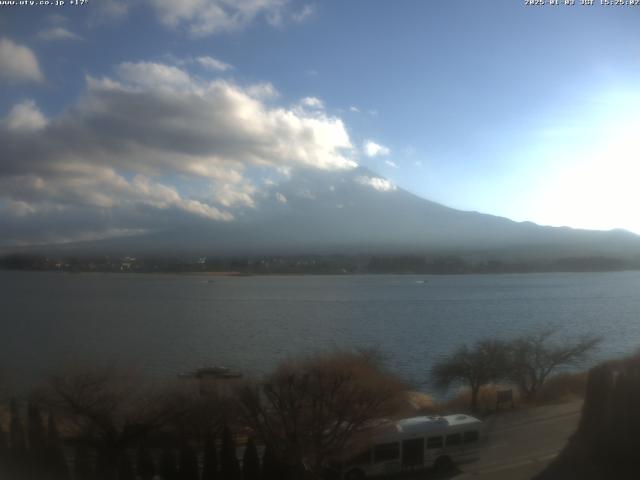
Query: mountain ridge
[{"x": 359, "y": 211}]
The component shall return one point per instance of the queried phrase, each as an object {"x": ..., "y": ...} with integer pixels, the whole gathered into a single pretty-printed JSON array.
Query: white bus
[{"x": 416, "y": 443}]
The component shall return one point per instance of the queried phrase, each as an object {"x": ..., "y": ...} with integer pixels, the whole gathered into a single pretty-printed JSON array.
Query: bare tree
[
  {"x": 204, "y": 415},
  {"x": 534, "y": 357},
  {"x": 474, "y": 367},
  {"x": 110, "y": 411},
  {"x": 310, "y": 412}
]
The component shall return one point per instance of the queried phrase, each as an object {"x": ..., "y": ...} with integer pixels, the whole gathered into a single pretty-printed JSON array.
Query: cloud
[
  {"x": 163, "y": 196},
  {"x": 354, "y": 109},
  {"x": 154, "y": 75},
  {"x": 312, "y": 102},
  {"x": 373, "y": 149},
  {"x": 277, "y": 17},
  {"x": 280, "y": 197},
  {"x": 391, "y": 164},
  {"x": 239, "y": 193},
  {"x": 149, "y": 148},
  {"x": 25, "y": 117},
  {"x": 58, "y": 33},
  {"x": 214, "y": 64},
  {"x": 377, "y": 183},
  {"x": 262, "y": 91},
  {"x": 18, "y": 63},
  {"x": 303, "y": 14},
  {"x": 207, "y": 17}
]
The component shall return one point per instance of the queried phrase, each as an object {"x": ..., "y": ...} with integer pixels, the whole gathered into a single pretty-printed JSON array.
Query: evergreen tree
[
  {"x": 229, "y": 467},
  {"x": 168, "y": 468},
  {"x": 125, "y": 469},
  {"x": 53, "y": 438},
  {"x": 145, "y": 468},
  {"x": 251, "y": 462},
  {"x": 18, "y": 462},
  {"x": 54, "y": 460},
  {"x": 4, "y": 446},
  {"x": 4, "y": 454},
  {"x": 272, "y": 466},
  {"x": 188, "y": 463},
  {"x": 37, "y": 458},
  {"x": 210, "y": 467},
  {"x": 16, "y": 432},
  {"x": 35, "y": 429},
  {"x": 82, "y": 464},
  {"x": 106, "y": 467}
]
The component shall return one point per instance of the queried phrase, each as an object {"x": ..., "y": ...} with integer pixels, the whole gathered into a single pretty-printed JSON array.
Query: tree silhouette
[
  {"x": 16, "y": 430},
  {"x": 4, "y": 454},
  {"x": 106, "y": 467},
  {"x": 82, "y": 464},
  {"x": 144, "y": 464},
  {"x": 54, "y": 460},
  {"x": 111, "y": 411},
  {"x": 534, "y": 357},
  {"x": 188, "y": 469},
  {"x": 125, "y": 469},
  {"x": 210, "y": 467},
  {"x": 35, "y": 431},
  {"x": 37, "y": 461},
  {"x": 168, "y": 467},
  {"x": 312, "y": 411},
  {"x": 272, "y": 467},
  {"x": 18, "y": 461},
  {"x": 229, "y": 467},
  {"x": 251, "y": 462},
  {"x": 486, "y": 362}
]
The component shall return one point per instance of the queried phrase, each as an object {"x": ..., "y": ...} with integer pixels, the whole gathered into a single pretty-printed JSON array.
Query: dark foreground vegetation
[
  {"x": 105, "y": 425},
  {"x": 317, "y": 264},
  {"x": 606, "y": 443},
  {"x": 302, "y": 420}
]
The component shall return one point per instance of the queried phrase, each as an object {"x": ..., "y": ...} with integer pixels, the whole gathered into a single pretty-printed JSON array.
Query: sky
[{"x": 119, "y": 117}]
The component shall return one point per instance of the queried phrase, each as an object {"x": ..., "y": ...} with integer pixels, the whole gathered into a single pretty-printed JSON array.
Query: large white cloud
[
  {"x": 153, "y": 142},
  {"x": 18, "y": 63}
]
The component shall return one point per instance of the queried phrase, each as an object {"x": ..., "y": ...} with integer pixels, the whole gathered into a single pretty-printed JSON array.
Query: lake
[{"x": 165, "y": 324}]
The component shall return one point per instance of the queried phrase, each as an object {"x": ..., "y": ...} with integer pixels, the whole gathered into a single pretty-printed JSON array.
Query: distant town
[{"x": 313, "y": 264}]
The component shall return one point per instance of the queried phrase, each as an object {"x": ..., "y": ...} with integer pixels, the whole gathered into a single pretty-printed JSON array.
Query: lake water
[{"x": 164, "y": 324}]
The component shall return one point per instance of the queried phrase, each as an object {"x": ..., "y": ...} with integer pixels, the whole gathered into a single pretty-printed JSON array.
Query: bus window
[
  {"x": 434, "y": 442},
  {"x": 453, "y": 440},
  {"x": 413, "y": 452},
  {"x": 386, "y": 451},
  {"x": 470, "y": 437}
]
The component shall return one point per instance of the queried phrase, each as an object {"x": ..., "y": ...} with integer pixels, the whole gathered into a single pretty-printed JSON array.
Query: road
[{"x": 521, "y": 443}]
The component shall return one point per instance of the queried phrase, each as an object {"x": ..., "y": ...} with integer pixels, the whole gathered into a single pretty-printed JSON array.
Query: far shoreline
[{"x": 237, "y": 274}]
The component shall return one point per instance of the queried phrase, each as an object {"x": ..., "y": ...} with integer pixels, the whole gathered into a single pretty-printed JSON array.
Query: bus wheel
[
  {"x": 355, "y": 474},
  {"x": 443, "y": 464}
]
